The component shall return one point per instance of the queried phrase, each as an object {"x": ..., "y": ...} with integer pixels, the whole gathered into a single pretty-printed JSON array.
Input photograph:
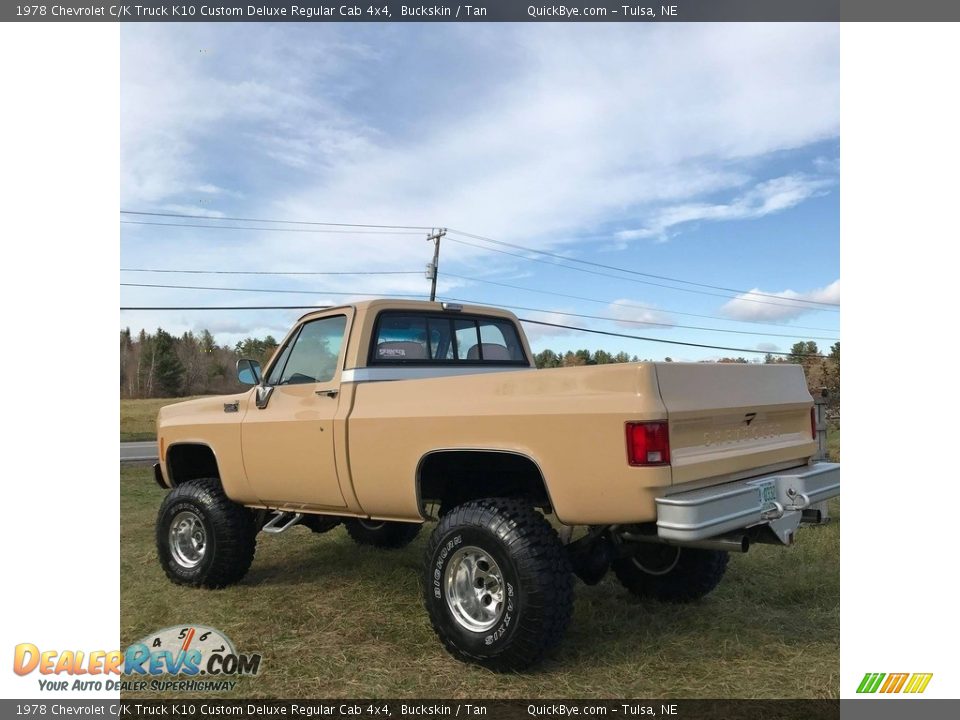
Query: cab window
[
  {"x": 312, "y": 357},
  {"x": 428, "y": 338}
]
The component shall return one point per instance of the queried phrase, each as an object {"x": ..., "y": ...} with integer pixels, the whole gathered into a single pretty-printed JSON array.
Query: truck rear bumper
[{"x": 777, "y": 499}]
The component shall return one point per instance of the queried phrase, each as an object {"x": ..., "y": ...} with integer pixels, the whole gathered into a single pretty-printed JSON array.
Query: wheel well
[
  {"x": 453, "y": 477},
  {"x": 187, "y": 462}
]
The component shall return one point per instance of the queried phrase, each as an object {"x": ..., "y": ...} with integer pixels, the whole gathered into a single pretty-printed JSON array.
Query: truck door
[{"x": 288, "y": 445}]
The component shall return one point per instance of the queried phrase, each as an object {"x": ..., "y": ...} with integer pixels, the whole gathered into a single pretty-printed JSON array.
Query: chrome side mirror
[
  {"x": 248, "y": 372},
  {"x": 263, "y": 395}
]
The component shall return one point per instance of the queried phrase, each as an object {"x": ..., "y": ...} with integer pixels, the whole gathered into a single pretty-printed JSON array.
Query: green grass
[
  {"x": 833, "y": 443},
  {"x": 336, "y": 620},
  {"x": 138, "y": 418}
]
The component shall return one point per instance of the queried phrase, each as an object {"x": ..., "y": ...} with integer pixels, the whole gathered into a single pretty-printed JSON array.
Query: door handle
[{"x": 328, "y": 393}]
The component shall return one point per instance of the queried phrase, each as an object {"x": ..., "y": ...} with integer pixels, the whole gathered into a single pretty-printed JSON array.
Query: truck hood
[{"x": 190, "y": 410}]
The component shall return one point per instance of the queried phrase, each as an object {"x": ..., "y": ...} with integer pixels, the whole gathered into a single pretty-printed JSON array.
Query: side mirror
[{"x": 248, "y": 372}]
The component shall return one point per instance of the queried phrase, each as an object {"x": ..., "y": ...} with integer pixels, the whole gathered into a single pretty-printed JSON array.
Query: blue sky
[{"x": 708, "y": 153}]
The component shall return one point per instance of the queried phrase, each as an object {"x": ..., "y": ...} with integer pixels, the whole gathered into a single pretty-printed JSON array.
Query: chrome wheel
[
  {"x": 474, "y": 589},
  {"x": 371, "y": 524},
  {"x": 188, "y": 539}
]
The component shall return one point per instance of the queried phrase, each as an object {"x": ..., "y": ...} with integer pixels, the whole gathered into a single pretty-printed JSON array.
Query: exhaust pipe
[{"x": 731, "y": 543}]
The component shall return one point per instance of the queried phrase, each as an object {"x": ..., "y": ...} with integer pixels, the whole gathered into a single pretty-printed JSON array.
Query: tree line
[{"x": 163, "y": 365}]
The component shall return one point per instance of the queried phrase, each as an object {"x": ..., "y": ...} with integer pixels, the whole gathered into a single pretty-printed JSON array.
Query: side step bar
[{"x": 281, "y": 521}]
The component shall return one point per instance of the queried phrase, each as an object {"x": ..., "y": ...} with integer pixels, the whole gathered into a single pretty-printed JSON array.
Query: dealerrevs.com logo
[
  {"x": 910, "y": 683},
  {"x": 185, "y": 658}
]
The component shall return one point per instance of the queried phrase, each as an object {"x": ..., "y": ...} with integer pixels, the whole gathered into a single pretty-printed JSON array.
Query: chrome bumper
[{"x": 777, "y": 499}]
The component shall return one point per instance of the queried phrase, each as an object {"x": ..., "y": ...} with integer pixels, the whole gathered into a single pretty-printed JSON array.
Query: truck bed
[{"x": 726, "y": 422}]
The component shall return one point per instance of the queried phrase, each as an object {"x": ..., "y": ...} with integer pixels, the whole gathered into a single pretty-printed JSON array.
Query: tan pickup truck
[{"x": 384, "y": 415}]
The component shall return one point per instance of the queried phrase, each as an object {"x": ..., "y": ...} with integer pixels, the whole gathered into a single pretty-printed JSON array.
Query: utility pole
[{"x": 432, "y": 268}]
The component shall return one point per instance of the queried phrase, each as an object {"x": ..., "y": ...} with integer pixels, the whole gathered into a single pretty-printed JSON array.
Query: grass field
[
  {"x": 336, "y": 620},
  {"x": 138, "y": 418}
]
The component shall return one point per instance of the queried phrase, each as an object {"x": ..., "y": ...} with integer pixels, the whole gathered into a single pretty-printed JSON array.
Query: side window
[
  {"x": 274, "y": 377},
  {"x": 313, "y": 356}
]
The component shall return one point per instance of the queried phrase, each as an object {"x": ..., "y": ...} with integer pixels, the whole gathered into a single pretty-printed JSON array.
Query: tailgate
[{"x": 728, "y": 419}]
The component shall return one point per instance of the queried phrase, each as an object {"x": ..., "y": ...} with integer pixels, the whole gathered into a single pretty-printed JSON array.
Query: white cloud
[
  {"x": 768, "y": 347},
  {"x": 537, "y": 134},
  {"x": 536, "y": 333},
  {"x": 826, "y": 165},
  {"x": 593, "y": 125},
  {"x": 633, "y": 315},
  {"x": 763, "y": 199},
  {"x": 783, "y": 305}
]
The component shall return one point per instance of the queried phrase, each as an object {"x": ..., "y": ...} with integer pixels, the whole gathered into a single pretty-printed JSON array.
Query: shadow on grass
[{"x": 335, "y": 619}]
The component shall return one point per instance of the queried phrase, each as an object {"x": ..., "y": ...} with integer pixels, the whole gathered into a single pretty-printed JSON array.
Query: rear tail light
[
  {"x": 813, "y": 422},
  {"x": 648, "y": 443}
]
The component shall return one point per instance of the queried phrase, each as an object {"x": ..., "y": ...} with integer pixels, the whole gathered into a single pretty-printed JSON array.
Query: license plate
[{"x": 768, "y": 493}]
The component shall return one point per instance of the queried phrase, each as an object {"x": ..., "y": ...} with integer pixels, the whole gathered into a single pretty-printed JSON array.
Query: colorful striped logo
[{"x": 894, "y": 682}]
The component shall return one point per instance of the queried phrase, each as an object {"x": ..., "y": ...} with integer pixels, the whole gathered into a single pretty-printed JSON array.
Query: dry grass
[
  {"x": 138, "y": 418},
  {"x": 833, "y": 443},
  {"x": 336, "y": 620}
]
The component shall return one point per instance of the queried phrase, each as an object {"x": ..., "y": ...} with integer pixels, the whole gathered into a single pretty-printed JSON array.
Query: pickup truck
[{"x": 385, "y": 415}]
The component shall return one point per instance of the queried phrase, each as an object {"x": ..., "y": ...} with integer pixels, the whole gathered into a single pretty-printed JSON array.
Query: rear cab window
[{"x": 412, "y": 338}]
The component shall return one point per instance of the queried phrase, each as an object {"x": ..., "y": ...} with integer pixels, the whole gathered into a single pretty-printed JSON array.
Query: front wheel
[
  {"x": 381, "y": 533},
  {"x": 497, "y": 584},
  {"x": 671, "y": 574},
  {"x": 203, "y": 537}
]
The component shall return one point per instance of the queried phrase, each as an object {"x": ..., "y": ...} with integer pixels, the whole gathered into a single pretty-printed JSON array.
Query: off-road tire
[
  {"x": 230, "y": 535},
  {"x": 320, "y": 523},
  {"x": 537, "y": 583},
  {"x": 671, "y": 574},
  {"x": 381, "y": 533}
]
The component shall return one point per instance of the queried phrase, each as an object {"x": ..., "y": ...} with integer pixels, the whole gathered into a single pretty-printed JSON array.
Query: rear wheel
[
  {"x": 381, "y": 533},
  {"x": 497, "y": 584},
  {"x": 320, "y": 523},
  {"x": 671, "y": 574},
  {"x": 204, "y": 538}
]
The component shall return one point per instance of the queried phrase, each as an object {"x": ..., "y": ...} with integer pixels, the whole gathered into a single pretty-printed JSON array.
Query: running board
[{"x": 274, "y": 526}]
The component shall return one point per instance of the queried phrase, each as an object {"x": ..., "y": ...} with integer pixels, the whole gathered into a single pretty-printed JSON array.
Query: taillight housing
[{"x": 648, "y": 444}]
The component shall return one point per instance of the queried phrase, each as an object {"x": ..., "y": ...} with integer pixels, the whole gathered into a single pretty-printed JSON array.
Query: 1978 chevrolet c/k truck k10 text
[{"x": 382, "y": 415}]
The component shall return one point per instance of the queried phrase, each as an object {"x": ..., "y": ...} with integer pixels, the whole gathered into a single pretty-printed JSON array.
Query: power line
[
  {"x": 271, "y": 272},
  {"x": 672, "y": 312},
  {"x": 644, "y": 322},
  {"x": 627, "y": 279},
  {"x": 593, "y": 317},
  {"x": 661, "y": 340},
  {"x": 279, "y": 222},
  {"x": 525, "y": 320},
  {"x": 790, "y": 302},
  {"x": 268, "y": 229},
  {"x": 267, "y": 290},
  {"x": 659, "y": 277},
  {"x": 224, "y": 307},
  {"x": 620, "y": 277},
  {"x": 585, "y": 299}
]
